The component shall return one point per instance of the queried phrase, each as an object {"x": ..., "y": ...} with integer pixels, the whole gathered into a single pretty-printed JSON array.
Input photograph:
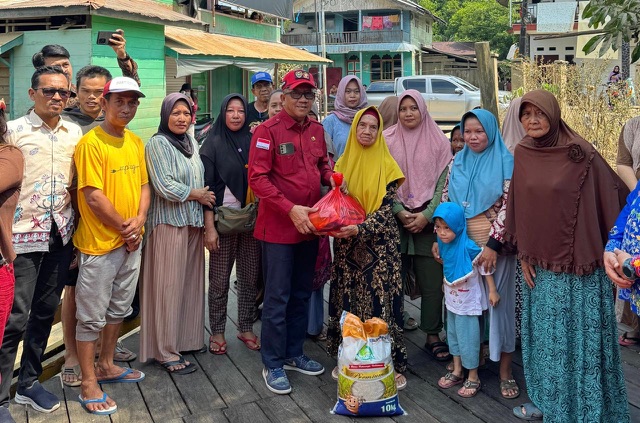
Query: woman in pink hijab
[
  {"x": 350, "y": 98},
  {"x": 423, "y": 153}
]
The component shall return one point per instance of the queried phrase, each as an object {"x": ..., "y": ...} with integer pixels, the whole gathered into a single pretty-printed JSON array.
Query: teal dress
[{"x": 571, "y": 360}]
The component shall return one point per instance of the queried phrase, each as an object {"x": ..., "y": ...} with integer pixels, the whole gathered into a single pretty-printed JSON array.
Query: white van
[{"x": 447, "y": 97}]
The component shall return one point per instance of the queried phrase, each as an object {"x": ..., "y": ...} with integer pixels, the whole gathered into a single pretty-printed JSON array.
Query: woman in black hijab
[{"x": 225, "y": 154}]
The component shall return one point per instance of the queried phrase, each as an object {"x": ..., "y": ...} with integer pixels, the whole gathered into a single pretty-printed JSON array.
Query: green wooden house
[
  {"x": 27, "y": 26},
  {"x": 222, "y": 60},
  {"x": 217, "y": 52}
]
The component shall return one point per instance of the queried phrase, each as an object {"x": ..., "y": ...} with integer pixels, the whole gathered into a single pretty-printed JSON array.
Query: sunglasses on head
[{"x": 51, "y": 92}]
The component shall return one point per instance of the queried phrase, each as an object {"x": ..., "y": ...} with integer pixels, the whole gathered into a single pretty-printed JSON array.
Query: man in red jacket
[{"x": 287, "y": 162}]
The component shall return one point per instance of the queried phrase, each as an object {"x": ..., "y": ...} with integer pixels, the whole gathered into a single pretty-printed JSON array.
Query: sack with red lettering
[{"x": 336, "y": 210}]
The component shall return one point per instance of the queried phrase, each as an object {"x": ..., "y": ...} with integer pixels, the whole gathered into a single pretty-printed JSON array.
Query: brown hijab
[
  {"x": 389, "y": 111},
  {"x": 563, "y": 197}
]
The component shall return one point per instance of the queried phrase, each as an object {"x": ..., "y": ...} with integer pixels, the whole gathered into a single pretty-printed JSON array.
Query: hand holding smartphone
[{"x": 104, "y": 37}]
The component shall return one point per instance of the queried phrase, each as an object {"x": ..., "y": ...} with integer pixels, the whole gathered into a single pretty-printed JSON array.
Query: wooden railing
[{"x": 353, "y": 37}]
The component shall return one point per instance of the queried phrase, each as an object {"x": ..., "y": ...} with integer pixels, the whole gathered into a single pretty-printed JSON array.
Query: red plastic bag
[{"x": 336, "y": 210}]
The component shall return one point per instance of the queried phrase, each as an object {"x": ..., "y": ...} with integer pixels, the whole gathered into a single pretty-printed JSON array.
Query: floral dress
[
  {"x": 625, "y": 235},
  {"x": 366, "y": 280}
]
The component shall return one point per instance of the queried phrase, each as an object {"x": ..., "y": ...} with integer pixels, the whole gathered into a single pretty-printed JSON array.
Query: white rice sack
[{"x": 366, "y": 377}]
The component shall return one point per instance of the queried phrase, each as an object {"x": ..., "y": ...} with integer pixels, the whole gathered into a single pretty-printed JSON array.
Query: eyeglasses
[
  {"x": 50, "y": 92},
  {"x": 296, "y": 95}
]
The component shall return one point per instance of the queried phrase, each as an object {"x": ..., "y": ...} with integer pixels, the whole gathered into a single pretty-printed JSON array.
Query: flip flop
[
  {"x": 450, "y": 380},
  {"x": 410, "y": 324},
  {"x": 469, "y": 384},
  {"x": 122, "y": 377},
  {"x": 626, "y": 340},
  {"x": 106, "y": 412},
  {"x": 222, "y": 347},
  {"x": 532, "y": 412},
  {"x": 400, "y": 385},
  {"x": 71, "y": 371},
  {"x": 509, "y": 384},
  {"x": 188, "y": 368},
  {"x": 435, "y": 348},
  {"x": 248, "y": 341}
]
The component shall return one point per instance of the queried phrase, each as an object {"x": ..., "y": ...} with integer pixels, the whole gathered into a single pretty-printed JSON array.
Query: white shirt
[{"x": 469, "y": 296}]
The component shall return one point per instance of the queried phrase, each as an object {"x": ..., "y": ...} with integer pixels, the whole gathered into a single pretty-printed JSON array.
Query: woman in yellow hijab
[{"x": 365, "y": 278}]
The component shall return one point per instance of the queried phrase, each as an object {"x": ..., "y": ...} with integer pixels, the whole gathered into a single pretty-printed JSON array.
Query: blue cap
[{"x": 261, "y": 76}]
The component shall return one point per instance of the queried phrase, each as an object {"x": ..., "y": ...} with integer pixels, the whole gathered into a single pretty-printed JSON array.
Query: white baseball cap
[{"x": 122, "y": 84}]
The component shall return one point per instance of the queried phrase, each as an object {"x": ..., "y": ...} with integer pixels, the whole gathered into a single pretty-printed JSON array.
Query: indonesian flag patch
[{"x": 263, "y": 143}]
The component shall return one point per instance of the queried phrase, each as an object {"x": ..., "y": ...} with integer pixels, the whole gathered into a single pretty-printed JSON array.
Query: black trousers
[
  {"x": 40, "y": 278},
  {"x": 288, "y": 271}
]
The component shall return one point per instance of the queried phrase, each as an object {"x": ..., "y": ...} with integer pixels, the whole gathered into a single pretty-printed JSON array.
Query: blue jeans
[
  {"x": 40, "y": 278},
  {"x": 288, "y": 277}
]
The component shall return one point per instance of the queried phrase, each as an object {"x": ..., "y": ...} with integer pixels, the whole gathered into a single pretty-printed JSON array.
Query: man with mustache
[{"x": 43, "y": 224}]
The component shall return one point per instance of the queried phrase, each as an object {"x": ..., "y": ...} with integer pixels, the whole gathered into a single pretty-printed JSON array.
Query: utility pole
[
  {"x": 315, "y": 4},
  {"x": 523, "y": 45},
  {"x": 323, "y": 45},
  {"x": 626, "y": 60}
]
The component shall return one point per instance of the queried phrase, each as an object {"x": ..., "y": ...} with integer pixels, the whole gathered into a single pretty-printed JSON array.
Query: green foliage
[
  {"x": 472, "y": 20},
  {"x": 619, "y": 21}
]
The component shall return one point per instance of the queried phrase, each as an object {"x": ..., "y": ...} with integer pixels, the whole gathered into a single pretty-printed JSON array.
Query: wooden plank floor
[{"x": 230, "y": 388}]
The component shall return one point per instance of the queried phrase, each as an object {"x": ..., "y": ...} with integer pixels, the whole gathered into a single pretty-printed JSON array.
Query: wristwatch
[{"x": 628, "y": 269}]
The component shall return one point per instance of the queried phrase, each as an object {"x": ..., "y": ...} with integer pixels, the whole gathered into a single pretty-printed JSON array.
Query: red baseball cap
[{"x": 297, "y": 77}]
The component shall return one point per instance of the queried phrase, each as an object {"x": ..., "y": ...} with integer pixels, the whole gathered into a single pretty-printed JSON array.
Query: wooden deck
[{"x": 230, "y": 388}]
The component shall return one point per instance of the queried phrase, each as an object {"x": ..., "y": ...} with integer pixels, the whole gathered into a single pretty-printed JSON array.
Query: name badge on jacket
[{"x": 286, "y": 149}]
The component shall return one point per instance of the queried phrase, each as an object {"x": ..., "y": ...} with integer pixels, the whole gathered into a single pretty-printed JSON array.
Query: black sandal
[
  {"x": 435, "y": 348},
  {"x": 188, "y": 368}
]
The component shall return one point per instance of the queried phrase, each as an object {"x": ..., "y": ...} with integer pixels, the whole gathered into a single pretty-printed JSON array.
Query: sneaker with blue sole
[
  {"x": 304, "y": 365},
  {"x": 276, "y": 380},
  {"x": 39, "y": 398}
]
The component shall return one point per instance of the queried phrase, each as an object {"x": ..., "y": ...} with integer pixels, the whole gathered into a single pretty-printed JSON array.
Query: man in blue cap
[{"x": 261, "y": 87}]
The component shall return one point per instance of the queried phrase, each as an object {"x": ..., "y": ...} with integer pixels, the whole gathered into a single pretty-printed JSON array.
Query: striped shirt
[{"x": 173, "y": 176}]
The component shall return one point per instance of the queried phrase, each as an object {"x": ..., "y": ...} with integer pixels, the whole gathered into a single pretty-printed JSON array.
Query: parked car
[
  {"x": 447, "y": 97},
  {"x": 378, "y": 91}
]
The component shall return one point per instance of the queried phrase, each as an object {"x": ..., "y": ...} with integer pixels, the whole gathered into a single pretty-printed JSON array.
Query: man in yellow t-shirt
[{"x": 113, "y": 200}]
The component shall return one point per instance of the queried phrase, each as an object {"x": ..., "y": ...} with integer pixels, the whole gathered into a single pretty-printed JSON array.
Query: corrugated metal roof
[
  {"x": 8, "y": 40},
  {"x": 193, "y": 42},
  {"x": 146, "y": 8}
]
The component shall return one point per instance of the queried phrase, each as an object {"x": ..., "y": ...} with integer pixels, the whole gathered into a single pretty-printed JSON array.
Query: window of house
[
  {"x": 353, "y": 65},
  {"x": 386, "y": 68}
]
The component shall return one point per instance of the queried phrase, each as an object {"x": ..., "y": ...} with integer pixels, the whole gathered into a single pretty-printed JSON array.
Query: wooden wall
[
  {"x": 440, "y": 64},
  {"x": 145, "y": 44},
  {"x": 76, "y": 41},
  {"x": 4, "y": 81}
]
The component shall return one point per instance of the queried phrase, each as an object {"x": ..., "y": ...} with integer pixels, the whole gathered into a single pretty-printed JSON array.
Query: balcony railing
[
  {"x": 532, "y": 14},
  {"x": 354, "y": 37}
]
